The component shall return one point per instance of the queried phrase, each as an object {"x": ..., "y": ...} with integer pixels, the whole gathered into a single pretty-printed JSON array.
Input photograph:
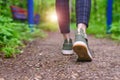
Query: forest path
[{"x": 42, "y": 60}]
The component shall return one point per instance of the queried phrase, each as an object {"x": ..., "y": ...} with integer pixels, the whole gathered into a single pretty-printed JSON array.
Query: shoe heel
[{"x": 82, "y": 51}]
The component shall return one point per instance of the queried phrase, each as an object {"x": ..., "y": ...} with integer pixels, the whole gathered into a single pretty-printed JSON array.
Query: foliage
[
  {"x": 97, "y": 25},
  {"x": 73, "y": 14},
  {"x": 115, "y": 31},
  {"x": 98, "y": 19},
  {"x": 45, "y": 7},
  {"x": 116, "y": 10},
  {"x": 12, "y": 34},
  {"x": 5, "y": 6}
]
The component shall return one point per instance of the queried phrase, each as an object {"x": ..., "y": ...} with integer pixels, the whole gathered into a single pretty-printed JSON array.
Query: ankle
[
  {"x": 81, "y": 26},
  {"x": 66, "y": 37}
]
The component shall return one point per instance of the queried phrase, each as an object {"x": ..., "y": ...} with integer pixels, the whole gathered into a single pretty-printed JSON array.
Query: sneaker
[
  {"x": 67, "y": 47},
  {"x": 80, "y": 47}
]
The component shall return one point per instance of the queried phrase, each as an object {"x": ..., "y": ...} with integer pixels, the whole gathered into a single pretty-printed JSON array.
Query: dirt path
[{"x": 42, "y": 60}]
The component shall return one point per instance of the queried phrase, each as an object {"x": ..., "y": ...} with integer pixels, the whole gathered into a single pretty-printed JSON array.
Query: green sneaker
[
  {"x": 80, "y": 47},
  {"x": 67, "y": 47}
]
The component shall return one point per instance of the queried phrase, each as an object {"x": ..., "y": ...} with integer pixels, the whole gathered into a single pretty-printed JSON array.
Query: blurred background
[{"x": 14, "y": 31}]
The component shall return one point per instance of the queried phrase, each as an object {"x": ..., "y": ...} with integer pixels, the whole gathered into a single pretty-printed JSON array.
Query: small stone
[
  {"x": 2, "y": 79},
  {"x": 26, "y": 78},
  {"x": 38, "y": 77},
  {"x": 21, "y": 51},
  {"x": 74, "y": 75}
]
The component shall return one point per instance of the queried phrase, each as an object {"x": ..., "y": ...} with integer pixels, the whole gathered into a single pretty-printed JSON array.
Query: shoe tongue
[{"x": 81, "y": 32}]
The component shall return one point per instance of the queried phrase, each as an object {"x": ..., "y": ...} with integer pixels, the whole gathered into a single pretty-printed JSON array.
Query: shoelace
[{"x": 81, "y": 32}]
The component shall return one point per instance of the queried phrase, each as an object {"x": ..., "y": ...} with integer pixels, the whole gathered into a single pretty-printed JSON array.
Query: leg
[
  {"x": 62, "y": 9},
  {"x": 83, "y": 13},
  {"x": 81, "y": 43}
]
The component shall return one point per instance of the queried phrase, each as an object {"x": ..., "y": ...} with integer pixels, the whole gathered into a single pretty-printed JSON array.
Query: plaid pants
[{"x": 82, "y": 13}]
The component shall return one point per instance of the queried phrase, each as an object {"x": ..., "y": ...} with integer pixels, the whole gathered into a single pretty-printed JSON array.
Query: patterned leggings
[{"x": 82, "y": 13}]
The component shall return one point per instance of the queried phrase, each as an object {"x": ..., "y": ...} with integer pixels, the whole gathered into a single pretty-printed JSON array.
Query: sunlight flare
[{"x": 52, "y": 17}]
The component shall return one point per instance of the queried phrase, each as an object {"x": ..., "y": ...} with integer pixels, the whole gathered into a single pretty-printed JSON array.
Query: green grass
[
  {"x": 99, "y": 30},
  {"x": 73, "y": 26}
]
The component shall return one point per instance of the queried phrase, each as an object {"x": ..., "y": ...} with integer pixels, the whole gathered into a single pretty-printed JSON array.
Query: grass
[{"x": 73, "y": 26}]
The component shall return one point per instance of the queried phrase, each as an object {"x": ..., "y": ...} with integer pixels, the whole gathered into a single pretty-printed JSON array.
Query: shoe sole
[
  {"x": 67, "y": 52},
  {"x": 81, "y": 49}
]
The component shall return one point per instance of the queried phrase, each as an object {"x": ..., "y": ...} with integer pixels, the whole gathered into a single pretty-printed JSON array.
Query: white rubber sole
[
  {"x": 67, "y": 52},
  {"x": 81, "y": 49}
]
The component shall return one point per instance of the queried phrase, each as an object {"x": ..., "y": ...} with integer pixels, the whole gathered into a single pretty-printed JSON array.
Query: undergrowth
[{"x": 13, "y": 34}]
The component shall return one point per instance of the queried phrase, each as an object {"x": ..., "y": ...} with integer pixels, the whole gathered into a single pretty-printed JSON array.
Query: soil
[{"x": 42, "y": 60}]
